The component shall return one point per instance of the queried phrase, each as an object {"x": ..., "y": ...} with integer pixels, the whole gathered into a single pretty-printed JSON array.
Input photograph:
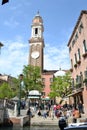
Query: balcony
[{"x": 78, "y": 85}]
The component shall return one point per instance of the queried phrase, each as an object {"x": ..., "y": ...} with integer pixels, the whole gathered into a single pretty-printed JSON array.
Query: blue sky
[{"x": 59, "y": 16}]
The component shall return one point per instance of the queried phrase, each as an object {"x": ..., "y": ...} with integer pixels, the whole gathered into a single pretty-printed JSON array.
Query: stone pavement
[
  {"x": 40, "y": 121},
  {"x": 37, "y": 120}
]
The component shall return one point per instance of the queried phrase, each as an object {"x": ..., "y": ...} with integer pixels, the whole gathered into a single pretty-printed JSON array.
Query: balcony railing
[{"x": 78, "y": 85}]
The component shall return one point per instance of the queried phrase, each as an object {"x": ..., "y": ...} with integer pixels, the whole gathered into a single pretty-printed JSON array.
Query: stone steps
[{"x": 44, "y": 121}]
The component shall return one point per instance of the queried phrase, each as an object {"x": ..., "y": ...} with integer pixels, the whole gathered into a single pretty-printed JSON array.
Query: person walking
[
  {"x": 76, "y": 115},
  {"x": 39, "y": 113},
  {"x": 29, "y": 113},
  {"x": 80, "y": 107},
  {"x": 62, "y": 123}
]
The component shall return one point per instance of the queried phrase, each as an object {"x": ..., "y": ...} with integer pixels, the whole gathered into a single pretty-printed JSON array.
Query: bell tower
[{"x": 36, "y": 42}]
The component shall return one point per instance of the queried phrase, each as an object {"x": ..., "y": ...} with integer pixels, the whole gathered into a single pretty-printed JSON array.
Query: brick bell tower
[{"x": 36, "y": 42}]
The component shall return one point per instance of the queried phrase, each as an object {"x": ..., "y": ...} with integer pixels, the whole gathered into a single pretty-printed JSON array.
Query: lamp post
[{"x": 20, "y": 86}]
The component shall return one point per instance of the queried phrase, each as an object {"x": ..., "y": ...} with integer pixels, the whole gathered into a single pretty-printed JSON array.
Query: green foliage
[
  {"x": 85, "y": 80},
  {"x": 61, "y": 86},
  {"x": 32, "y": 78},
  {"x": 6, "y": 91}
]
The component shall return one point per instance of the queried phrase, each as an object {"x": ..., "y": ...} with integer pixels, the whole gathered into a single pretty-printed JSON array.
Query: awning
[
  {"x": 33, "y": 97},
  {"x": 46, "y": 98},
  {"x": 34, "y": 92}
]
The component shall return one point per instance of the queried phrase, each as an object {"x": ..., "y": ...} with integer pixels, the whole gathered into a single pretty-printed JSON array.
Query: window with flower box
[
  {"x": 84, "y": 48},
  {"x": 85, "y": 76},
  {"x": 78, "y": 81},
  {"x": 71, "y": 69},
  {"x": 75, "y": 60},
  {"x": 80, "y": 27},
  {"x": 78, "y": 57}
]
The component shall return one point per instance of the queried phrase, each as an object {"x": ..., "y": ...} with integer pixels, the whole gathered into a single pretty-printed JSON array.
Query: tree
[
  {"x": 32, "y": 78},
  {"x": 6, "y": 91},
  {"x": 15, "y": 86},
  {"x": 61, "y": 86}
]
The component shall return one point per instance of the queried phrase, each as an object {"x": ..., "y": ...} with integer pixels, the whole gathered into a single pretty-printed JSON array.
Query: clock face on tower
[{"x": 35, "y": 54}]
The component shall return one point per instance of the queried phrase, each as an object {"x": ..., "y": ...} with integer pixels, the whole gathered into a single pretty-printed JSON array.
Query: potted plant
[{"x": 75, "y": 65}]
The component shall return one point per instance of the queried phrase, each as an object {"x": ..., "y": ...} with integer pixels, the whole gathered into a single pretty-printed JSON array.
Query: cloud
[
  {"x": 56, "y": 57},
  {"x": 14, "y": 55},
  {"x": 10, "y": 22},
  {"x": 16, "y": 7}
]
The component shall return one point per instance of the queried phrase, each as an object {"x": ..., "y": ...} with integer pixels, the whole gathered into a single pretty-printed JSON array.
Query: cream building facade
[{"x": 78, "y": 57}]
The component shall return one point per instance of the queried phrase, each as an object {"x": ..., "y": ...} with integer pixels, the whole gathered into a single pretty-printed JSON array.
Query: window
[
  {"x": 80, "y": 27},
  {"x": 72, "y": 83},
  {"x": 51, "y": 80},
  {"x": 85, "y": 77},
  {"x": 73, "y": 42},
  {"x": 71, "y": 64},
  {"x": 76, "y": 36},
  {"x": 36, "y": 30},
  {"x": 77, "y": 79},
  {"x": 85, "y": 73},
  {"x": 43, "y": 80},
  {"x": 81, "y": 75},
  {"x": 69, "y": 48},
  {"x": 75, "y": 58},
  {"x": 84, "y": 49},
  {"x": 84, "y": 46},
  {"x": 78, "y": 56}
]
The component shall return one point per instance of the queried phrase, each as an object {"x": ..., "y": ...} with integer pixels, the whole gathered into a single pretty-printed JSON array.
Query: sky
[{"x": 59, "y": 17}]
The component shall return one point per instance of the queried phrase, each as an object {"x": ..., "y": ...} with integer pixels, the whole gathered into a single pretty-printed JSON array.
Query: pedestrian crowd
[
  {"x": 56, "y": 110},
  {"x": 47, "y": 109}
]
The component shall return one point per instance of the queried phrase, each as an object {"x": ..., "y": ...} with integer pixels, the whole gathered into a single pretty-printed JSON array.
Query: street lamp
[{"x": 20, "y": 86}]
